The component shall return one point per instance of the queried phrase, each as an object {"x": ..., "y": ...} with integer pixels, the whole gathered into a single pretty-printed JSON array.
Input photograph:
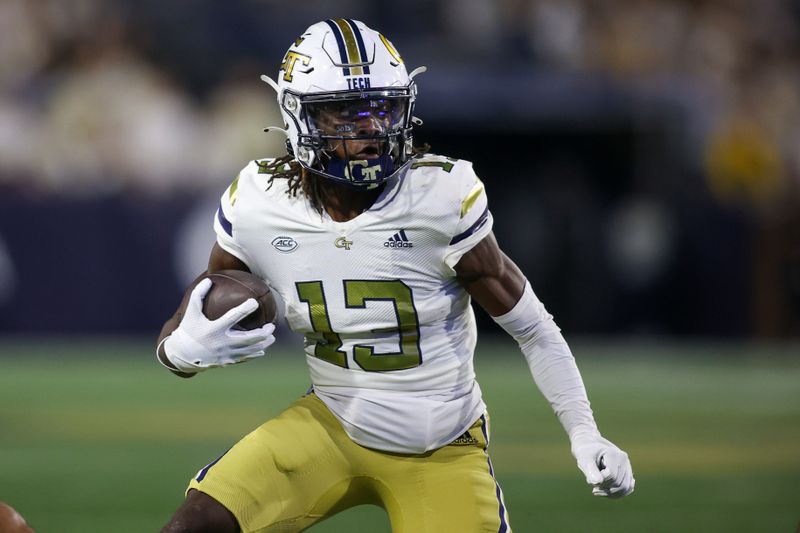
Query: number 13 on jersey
[{"x": 357, "y": 293}]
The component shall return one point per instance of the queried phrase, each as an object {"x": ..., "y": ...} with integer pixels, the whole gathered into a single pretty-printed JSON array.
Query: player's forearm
[{"x": 551, "y": 363}]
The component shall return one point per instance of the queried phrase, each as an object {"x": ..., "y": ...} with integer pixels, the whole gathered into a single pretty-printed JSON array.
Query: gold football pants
[{"x": 301, "y": 467}]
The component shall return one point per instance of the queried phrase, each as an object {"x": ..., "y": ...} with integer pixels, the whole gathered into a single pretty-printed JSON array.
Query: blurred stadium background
[{"x": 642, "y": 161}]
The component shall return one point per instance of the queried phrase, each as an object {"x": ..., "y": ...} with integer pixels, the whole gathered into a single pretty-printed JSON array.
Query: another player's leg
[{"x": 200, "y": 513}]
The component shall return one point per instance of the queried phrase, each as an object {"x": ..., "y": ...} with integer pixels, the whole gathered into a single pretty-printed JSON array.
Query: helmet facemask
[
  {"x": 347, "y": 103},
  {"x": 359, "y": 139}
]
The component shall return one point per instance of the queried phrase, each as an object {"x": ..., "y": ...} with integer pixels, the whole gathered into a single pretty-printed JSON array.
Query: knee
[{"x": 201, "y": 513}]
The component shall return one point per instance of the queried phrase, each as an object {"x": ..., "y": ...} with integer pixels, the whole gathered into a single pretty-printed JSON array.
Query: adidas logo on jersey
[
  {"x": 398, "y": 240},
  {"x": 465, "y": 440}
]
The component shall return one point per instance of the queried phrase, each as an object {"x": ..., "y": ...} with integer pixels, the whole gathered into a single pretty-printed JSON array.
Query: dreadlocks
[
  {"x": 299, "y": 178},
  {"x": 285, "y": 167},
  {"x": 313, "y": 186}
]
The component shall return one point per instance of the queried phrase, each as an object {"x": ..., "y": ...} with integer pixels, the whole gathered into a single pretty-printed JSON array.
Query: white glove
[
  {"x": 199, "y": 343},
  {"x": 605, "y": 466}
]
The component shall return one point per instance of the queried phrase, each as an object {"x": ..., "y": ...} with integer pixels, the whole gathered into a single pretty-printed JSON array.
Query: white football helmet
[{"x": 347, "y": 101}]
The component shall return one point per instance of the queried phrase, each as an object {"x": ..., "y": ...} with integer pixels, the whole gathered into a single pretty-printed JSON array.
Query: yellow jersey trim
[
  {"x": 471, "y": 198},
  {"x": 234, "y": 190}
]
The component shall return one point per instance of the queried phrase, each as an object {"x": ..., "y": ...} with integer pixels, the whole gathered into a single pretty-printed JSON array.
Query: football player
[{"x": 376, "y": 249}]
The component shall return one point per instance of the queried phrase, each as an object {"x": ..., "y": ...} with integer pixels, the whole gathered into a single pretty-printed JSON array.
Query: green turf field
[{"x": 96, "y": 437}]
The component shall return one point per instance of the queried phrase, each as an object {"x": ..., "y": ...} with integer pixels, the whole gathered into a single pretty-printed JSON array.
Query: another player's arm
[
  {"x": 498, "y": 285},
  {"x": 219, "y": 260}
]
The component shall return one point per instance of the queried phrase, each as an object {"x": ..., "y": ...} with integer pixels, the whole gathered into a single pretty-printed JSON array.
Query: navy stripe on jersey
[
  {"x": 202, "y": 474},
  {"x": 339, "y": 41},
  {"x": 224, "y": 222},
  {"x": 362, "y": 50},
  {"x": 473, "y": 228}
]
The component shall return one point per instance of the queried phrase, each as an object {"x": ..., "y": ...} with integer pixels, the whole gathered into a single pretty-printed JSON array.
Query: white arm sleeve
[{"x": 551, "y": 363}]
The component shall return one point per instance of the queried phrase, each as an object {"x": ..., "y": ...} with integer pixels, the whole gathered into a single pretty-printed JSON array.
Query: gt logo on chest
[
  {"x": 342, "y": 242},
  {"x": 358, "y": 83}
]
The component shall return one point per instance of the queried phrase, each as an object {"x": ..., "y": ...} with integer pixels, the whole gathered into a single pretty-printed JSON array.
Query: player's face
[{"x": 357, "y": 118}]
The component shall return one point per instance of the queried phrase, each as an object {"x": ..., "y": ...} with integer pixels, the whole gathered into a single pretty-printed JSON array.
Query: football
[{"x": 232, "y": 287}]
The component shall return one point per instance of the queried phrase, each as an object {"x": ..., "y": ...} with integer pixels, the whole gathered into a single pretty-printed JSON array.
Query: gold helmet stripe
[
  {"x": 362, "y": 49},
  {"x": 353, "y": 57}
]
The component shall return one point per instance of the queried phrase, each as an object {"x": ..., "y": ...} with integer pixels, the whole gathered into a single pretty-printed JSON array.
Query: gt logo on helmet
[
  {"x": 290, "y": 61},
  {"x": 391, "y": 49}
]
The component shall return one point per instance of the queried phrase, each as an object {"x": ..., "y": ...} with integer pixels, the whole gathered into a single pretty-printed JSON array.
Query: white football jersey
[{"x": 389, "y": 332}]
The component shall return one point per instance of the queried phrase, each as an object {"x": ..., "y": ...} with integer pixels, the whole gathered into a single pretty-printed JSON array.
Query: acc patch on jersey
[{"x": 284, "y": 244}]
